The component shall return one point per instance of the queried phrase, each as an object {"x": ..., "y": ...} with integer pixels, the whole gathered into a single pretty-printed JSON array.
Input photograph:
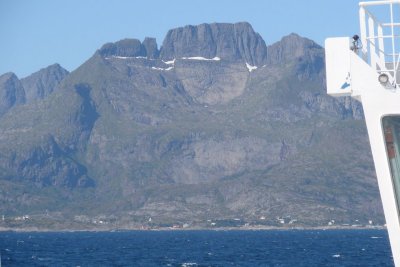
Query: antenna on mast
[{"x": 356, "y": 44}]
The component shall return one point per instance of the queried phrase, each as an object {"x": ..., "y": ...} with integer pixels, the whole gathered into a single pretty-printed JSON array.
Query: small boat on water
[{"x": 366, "y": 67}]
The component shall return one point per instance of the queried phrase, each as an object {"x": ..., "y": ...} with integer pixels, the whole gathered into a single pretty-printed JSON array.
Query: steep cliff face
[
  {"x": 42, "y": 83},
  {"x": 151, "y": 48},
  {"x": 11, "y": 92},
  {"x": 227, "y": 41},
  {"x": 193, "y": 134}
]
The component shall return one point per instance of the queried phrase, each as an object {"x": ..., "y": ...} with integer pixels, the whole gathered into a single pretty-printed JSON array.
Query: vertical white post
[
  {"x": 382, "y": 60},
  {"x": 363, "y": 32},
  {"x": 393, "y": 47},
  {"x": 372, "y": 47}
]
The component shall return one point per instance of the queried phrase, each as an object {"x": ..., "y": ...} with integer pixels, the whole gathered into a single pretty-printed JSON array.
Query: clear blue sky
[{"x": 35, "y": 34}]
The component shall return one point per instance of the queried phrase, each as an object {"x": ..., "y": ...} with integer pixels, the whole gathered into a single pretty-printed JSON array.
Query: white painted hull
[{"x": 355, "y": 72}]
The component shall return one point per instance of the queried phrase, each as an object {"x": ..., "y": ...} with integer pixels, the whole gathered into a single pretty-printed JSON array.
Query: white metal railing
[{"x": 380, "y": 40}]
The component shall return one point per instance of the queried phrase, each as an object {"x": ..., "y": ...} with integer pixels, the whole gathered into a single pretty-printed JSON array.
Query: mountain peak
[
  {"x": 11, "y": 92},
  {"x": 225, "y": 40},
  {"x": 150, "y": 46},
  {"x": 131, "y": 48},
  {"x": 40, "y": 84},
  {"x": 123, "y": 48},
  {"x": 289, "y": 47},
  {"x": 294, "y": 38},
  {"x": 7, "y": 76},
  {"x": 185, "y": 141}
]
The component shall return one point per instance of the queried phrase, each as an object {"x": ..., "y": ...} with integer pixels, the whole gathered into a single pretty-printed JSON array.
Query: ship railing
[{"x": 380, "y": 41}]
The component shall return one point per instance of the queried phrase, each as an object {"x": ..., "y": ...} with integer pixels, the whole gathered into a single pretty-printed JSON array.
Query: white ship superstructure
[{"x": 366, "y": 67}]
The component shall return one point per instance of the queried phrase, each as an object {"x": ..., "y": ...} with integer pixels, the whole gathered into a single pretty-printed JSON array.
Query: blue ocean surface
[{"x": 198, "y": 248}]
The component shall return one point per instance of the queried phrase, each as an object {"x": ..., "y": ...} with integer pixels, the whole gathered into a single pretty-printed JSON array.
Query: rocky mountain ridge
[
  {"x": 38, "y": 85},
  {"x": 214, "y": 125},
  {"x": 11, "y": 93},
  {"x": 42, "y": 83}
]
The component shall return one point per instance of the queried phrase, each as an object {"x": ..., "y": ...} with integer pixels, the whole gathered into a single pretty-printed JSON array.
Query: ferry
[{"x": 366, "y": 67}]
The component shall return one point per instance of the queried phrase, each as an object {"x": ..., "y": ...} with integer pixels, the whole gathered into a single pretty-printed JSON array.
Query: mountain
[
  {"x": 292, "y": 46},
  {"x": 228, "y": 41},
  {"x": 213, "y": 129},
  {"x": 42, "y": 83},
  {"x": 11, "y": 92},
  {"x": 38, "y": 85}
]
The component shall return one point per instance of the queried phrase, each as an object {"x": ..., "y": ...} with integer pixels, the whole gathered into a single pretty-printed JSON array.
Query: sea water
[{"x": 198, "y": 248}]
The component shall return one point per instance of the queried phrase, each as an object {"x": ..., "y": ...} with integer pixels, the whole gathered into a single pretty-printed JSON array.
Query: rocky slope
[
  {"x": 214, "y": 128},
  {"x": 42, "y": 83},
  {"x": 11, "y": 92}
]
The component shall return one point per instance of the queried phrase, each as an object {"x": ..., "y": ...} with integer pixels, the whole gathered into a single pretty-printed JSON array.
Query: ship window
[{"x": 391, "y": 130}]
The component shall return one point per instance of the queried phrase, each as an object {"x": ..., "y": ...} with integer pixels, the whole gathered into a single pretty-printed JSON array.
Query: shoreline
[{"x": 262, "y": 228}]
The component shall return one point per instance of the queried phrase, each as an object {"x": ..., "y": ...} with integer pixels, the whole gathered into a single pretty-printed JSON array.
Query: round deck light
[{"x": 383, "y": 78}]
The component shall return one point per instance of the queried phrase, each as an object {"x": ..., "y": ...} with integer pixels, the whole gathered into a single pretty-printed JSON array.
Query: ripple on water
[{"x": 198, "y": 248}]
